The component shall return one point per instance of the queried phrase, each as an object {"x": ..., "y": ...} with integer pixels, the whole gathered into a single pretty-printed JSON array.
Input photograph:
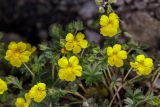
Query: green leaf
[
  {"x": 14, "y": 80},
  {"x": 128, "y": 101},
  {"x": 155, "y": 101},
  {"x": 112, "y": 1}
]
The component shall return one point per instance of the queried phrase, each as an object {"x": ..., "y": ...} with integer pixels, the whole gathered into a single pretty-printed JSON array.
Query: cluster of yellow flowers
[
  {"x": 37, "y": 93},
  {"x": 69, "y": 69},
  {"x": 75, "y": 43},
  {"x": 109, "y": 24},
  {"x": 109, "y": 27},
  {"x": 19, "y": 53},
  {"x": 142, "y": 65},
  {"x": 3, "y": 86}
]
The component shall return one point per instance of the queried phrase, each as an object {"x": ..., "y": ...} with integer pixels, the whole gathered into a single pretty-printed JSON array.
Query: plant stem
[
  {"x": 76, "y": 94},
  {"x": 32, "y": 74},
  {"x": 114, "y": 87},
  {"x": 82, "y": 87},
  {"x": 155, "y": 73},
  {"x": 53, "y": 72},
  {"x": 154, "y": 82},
  {"x": 109, "y": 73},
  {"x": 82, "y": 52},
  {"x": 118, "y": 96},
  {"x": 106, "y": 78},
  {"x": 127, "y": 74},
  {"x": 110, "y": 105},
  {"x": 129, "y": 51}
]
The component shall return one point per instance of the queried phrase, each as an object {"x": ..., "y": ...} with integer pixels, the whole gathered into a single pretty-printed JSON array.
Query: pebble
[{"x": 157, "y": 13}]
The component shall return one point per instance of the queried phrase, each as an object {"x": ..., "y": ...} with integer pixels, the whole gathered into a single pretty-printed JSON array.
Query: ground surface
[{"x": 32, "y": 18}]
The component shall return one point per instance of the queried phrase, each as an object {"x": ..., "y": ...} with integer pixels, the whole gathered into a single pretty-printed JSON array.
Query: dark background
[{"x": 30, "y": 19}]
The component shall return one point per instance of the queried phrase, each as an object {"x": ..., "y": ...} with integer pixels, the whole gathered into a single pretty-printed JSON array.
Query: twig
[
  {"x": 76, "y": 94},
  {"x": 127, "y": 74},
  {"x": 109, "y": 73},
  {"x": 82, "y": 87},
  {"x": 110, "y": 105},
  {"x": 154, "y": 82},
  {"x": 118, "y": 96}
]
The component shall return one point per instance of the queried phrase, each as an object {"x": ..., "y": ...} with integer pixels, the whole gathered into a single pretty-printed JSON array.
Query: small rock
[
  {"x": 88, "y": 10},
  {"x": 93, "y": 36},
  {"x": 157, "y": 13},
  {"x": 120, "y": 2},
  {"x": 140, "y": 5},
  {"x": 152, "y": 6},
  {"x": 128, "y": 1}
]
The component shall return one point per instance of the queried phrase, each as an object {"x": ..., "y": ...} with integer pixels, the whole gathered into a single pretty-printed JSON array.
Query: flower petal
[
  {"x": 104, "y": 20},
  {"x": 15, "y": 61},
  {"x": 111, "y": 61},
  {"x": 122, "y": 54},
  {"x": 113, "y": 16},
  {"x": 69, "y": 46},
  {"x": 109, "y": 30},
  {"x": 148, "y": 62},
  {"x": 116, "y": 48},
  {"x": 69, "y": 37},
  {"x": 73, "y": 60},
  {"x": 118, "y": 62},
  {"x": 79, "y": 36},
  {"x": 12, "y": 46},
  {"x": 109, "y": 51},
  {"x": 76, "y": 49},
  {"x": 63, "y": 62},
  {"x": 77, "y": 70},
  {"x": 21, "y": 46},
  {"x": 83, "y": 43},
  {"x": 62, "y": 74},
  {"x": 140, "y": 58}
]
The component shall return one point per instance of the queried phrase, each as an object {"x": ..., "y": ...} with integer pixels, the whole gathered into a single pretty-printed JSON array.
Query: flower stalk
[{"x": 32, "y": 74}]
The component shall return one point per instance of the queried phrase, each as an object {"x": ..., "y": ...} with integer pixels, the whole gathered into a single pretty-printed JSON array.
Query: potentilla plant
[{"x": 70, "y": 71}]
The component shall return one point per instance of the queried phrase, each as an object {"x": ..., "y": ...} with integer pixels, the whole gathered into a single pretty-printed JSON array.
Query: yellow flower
[
  {"x": 69, "y": 69},
  {"x": 3, "y": 86},
  {"x": 109, "y": 25},
  {"x": 38, "y": 92},
  {"x": 116, "y": 55},
  {"x": 18, "y": 53},
  {"x": 21, "y": 102},
  {"x": 75, "y": 43},
  {"x": 142, "y": 65}
]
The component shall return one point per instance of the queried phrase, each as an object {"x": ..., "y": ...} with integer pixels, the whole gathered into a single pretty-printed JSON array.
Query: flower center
[{"x": 74, "y": 43}]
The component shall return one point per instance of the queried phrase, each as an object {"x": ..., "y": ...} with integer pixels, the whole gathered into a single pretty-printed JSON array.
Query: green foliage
[
  {"x": 137, "y": 99},
  {"x": 75, "y": 26},
  {"x": 13, "y": 80},
  {"x": 56, "y": 31},
  {"x": 92, "y": 73},
  {"x": 96, "y": 88},
  {"x": 133, "y": 97},
  {"x": 39, "y": 63}
]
